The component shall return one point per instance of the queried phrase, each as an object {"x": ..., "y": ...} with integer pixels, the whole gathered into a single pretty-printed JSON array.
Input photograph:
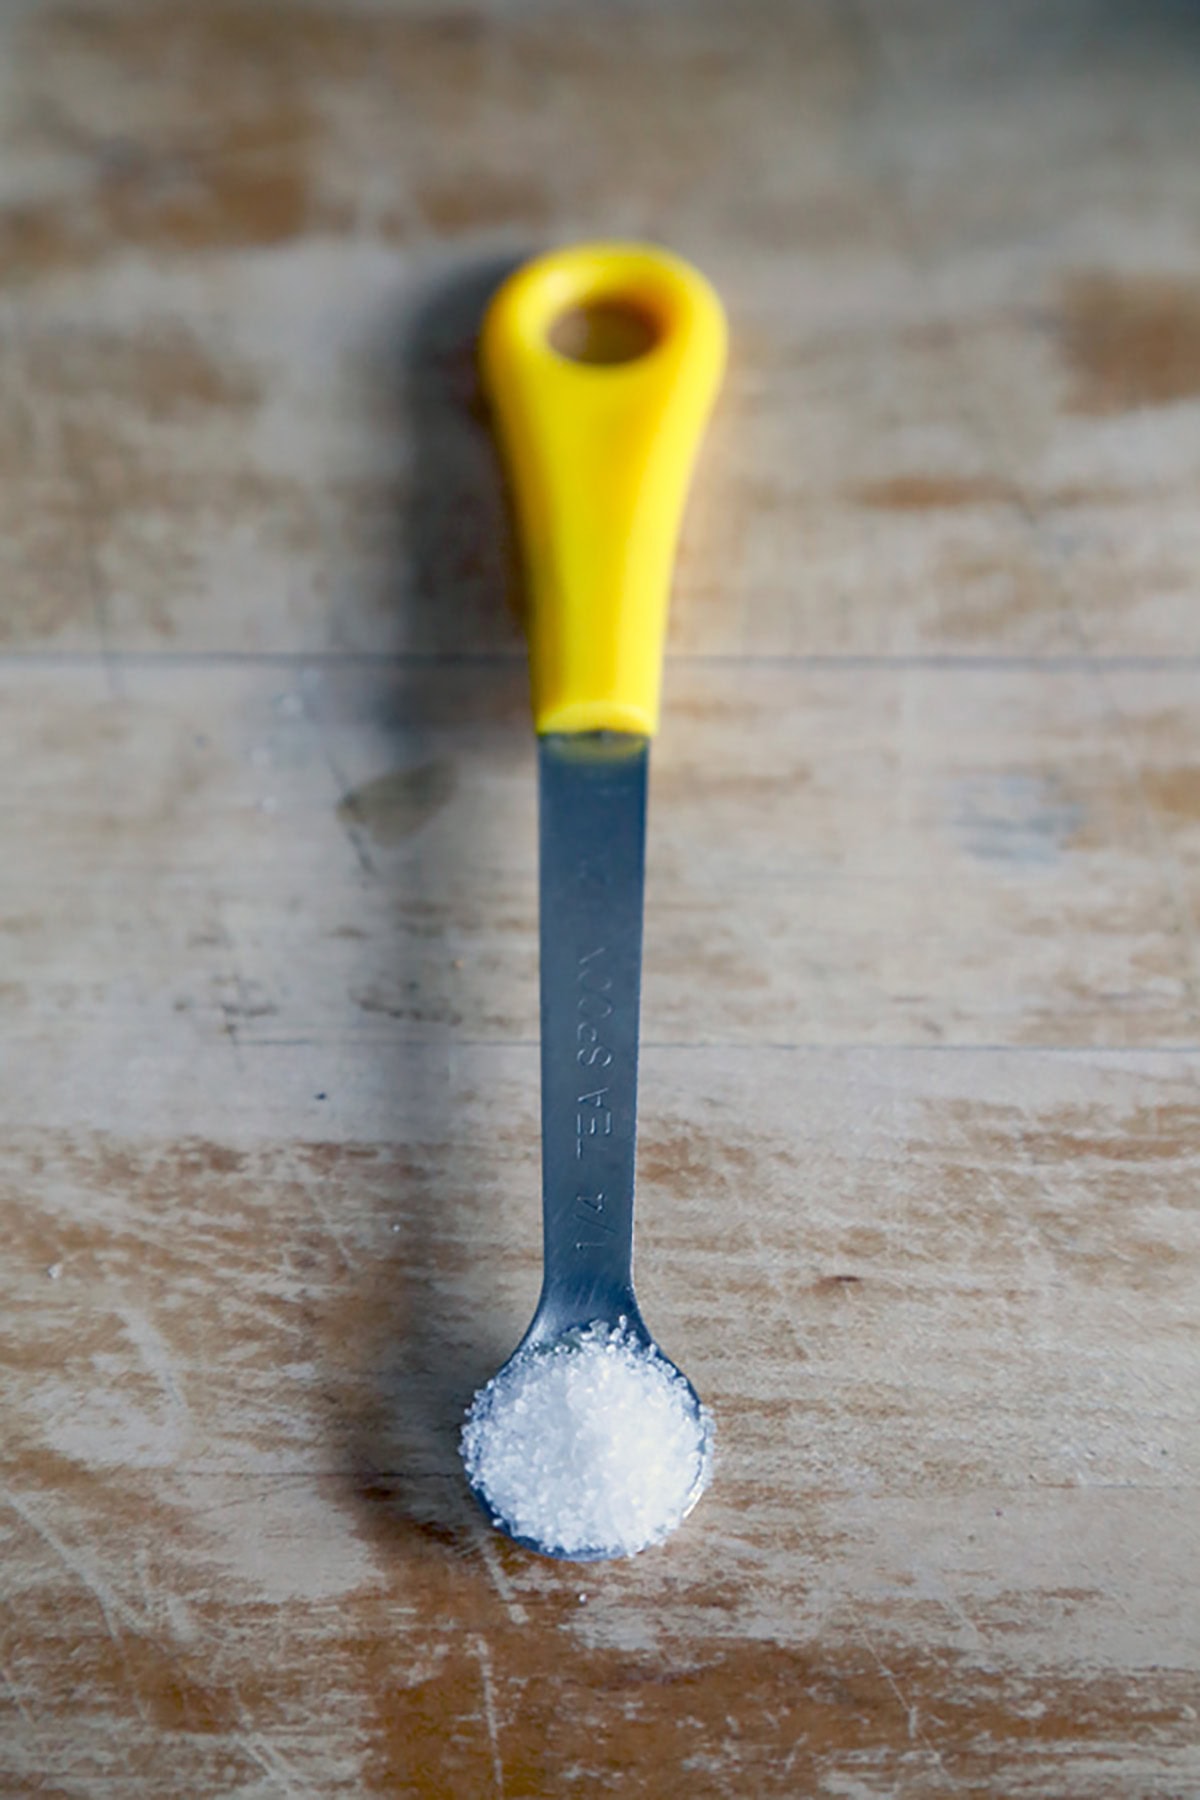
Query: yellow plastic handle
[{"x": 599, "y": 455}]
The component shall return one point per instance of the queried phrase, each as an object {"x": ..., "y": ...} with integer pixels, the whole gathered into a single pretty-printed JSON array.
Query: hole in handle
[{"x": 604, "y": 331}]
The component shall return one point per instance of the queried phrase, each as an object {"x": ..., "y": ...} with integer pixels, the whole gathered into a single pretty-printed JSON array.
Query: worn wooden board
[{"x": 920, "y": 1140}]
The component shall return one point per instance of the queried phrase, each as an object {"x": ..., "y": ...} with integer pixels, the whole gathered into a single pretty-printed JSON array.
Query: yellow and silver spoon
[{"x": 601, "y": 362}]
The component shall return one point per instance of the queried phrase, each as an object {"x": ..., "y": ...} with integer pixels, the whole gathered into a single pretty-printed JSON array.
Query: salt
[{"x": 592, "y": 1446}]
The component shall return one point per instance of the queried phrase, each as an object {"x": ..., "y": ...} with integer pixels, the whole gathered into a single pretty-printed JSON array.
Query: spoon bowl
[{"x": 543, "y": 1356}]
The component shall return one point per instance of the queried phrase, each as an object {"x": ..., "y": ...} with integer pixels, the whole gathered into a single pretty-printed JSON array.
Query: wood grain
[{"x": 919, "y": 1154}]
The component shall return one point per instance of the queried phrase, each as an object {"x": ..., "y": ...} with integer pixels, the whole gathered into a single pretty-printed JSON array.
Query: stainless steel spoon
[{"x": 599, "y": 453}]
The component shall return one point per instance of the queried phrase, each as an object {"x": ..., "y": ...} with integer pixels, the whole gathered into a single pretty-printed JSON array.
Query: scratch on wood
[
  {"x": 499, "y": 1580},
  {"x": 111, "y": 1606},
  {"x": 329, "y": 1227},
  {"x": 480, "y": 1649},
  {"x": 270, "y": 1761},
  {"x": 155, "y": 1355},
  {"x": 912, "y": 1717}
]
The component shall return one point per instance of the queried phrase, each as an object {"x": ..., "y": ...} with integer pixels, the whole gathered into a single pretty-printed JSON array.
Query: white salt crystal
[{"x": 590, "y": 1446}]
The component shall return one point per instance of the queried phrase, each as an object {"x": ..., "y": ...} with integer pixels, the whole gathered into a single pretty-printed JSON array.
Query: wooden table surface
[{"x": 921, "y": 1119}]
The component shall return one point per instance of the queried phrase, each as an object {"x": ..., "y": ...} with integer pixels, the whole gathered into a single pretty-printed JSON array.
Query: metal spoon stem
[{"x": 592, "y": 859}]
